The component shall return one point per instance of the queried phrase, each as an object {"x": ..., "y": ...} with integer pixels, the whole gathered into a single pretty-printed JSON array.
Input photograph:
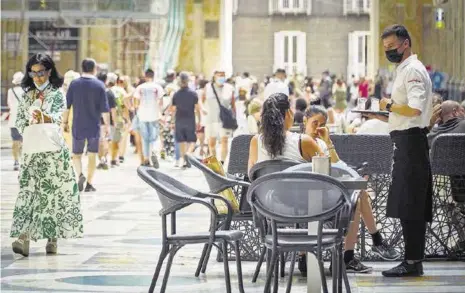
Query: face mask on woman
[{"x": 43, "y": 86}]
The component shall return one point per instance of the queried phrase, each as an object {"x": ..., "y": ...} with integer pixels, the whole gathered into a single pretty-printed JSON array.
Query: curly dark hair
[
  {"x": 272, "y": 123},
  {"x": 45, "y": 60}
]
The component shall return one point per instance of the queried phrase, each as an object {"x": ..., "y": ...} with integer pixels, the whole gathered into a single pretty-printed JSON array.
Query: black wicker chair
[
  {"x": 239, "y": 155},
  {"x": 174, "y": 196},
  {"x": 448, "y": 168},
  {"x": 217, "y": 183},
  {"x": 375, "y": 151}
]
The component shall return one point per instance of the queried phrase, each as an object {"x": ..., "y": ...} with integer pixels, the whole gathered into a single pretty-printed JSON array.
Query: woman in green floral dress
[{"x": 48, "y": 204}]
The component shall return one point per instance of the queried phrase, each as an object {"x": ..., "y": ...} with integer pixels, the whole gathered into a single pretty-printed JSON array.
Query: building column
[
  {"x": 226, "y": 13},
  {"x": 373, "y": 47},
  {"x": 198, "y": 35}
]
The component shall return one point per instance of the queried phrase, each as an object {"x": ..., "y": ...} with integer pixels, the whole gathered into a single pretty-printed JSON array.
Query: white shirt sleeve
[{"x": 416, "y": 92}]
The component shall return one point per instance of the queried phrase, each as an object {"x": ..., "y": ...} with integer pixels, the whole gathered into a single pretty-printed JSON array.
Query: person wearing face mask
[
  {"x": 277, "y": 85},
  {"x": 410, "y": 107},
  {"x": 217, "y": 90},
  {"x": 48, "y": 204}
]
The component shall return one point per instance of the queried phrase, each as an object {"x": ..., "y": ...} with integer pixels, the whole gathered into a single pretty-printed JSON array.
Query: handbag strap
[
  {"x": 216, "y": 95},
  {"x": 16, "y": 96}
]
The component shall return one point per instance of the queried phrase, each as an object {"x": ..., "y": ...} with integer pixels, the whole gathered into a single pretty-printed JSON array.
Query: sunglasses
[{"x": 33, "y": 74}]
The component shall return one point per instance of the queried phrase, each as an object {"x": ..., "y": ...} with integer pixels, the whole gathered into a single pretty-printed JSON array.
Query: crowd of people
[{"x": 101, "y": 113}]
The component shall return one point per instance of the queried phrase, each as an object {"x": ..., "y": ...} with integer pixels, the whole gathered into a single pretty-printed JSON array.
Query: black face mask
[{"x": 394, "y": 56}]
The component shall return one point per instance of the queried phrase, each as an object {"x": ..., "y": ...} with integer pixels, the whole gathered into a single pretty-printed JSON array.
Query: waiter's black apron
[{"x": 411, "y": 193}]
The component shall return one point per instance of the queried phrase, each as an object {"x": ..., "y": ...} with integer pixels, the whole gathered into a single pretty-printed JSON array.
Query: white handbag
[{"x": 41, "y": 138}]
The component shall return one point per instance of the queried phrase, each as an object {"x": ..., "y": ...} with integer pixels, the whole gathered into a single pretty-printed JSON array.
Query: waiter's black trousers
[{"x": 414, "y": 239}]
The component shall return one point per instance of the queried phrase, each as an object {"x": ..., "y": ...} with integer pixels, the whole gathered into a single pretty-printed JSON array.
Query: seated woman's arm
[
  {"x": 253, "y": 153},
  {"x": 328, "y": 149},
  {"x": 310, "y": 148}
]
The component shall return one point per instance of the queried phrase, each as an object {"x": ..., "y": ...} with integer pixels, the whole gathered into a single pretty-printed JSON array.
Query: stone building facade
[{"x": 304, "y": 36}]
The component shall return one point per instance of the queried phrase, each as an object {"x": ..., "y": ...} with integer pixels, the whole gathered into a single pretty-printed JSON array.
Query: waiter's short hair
[{"x": 399, "y": 31}]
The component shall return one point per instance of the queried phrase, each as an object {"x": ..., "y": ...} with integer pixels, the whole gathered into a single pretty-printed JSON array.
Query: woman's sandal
[
  {"x": 21, "y": 246},
  {"x": 51, "y": 247}
]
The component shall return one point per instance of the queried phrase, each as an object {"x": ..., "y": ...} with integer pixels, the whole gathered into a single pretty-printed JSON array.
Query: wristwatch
[{"x": 388, "y": 106}]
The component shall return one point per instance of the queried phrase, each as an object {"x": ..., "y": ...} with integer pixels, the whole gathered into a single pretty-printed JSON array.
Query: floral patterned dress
[{"x": 48, "y": 203}]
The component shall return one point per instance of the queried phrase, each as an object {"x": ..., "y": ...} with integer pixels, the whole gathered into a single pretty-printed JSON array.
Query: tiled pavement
[{"x": 122, "y": 241}]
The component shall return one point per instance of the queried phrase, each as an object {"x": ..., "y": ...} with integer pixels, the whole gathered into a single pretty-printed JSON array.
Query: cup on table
[
  {"x": 321, "y": 165},
  {"x": 361, "y": 103},
  {"x": 374, "y": 104}
]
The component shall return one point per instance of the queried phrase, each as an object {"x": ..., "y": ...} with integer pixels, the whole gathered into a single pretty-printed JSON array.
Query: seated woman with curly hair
[{"x": 274, "y": 140}]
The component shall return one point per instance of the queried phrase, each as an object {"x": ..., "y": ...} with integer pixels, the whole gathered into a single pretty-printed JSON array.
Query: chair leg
[
  {"x": 161, "y": 258},
  {"x": 239, "y": 266},
  {"x": 202, "y": 258},
  {"x": 335, "y": 265},
  {"x": 168, "y": 268},
  {"x": 276, "y": 276},
  {"x": 226, "y": 267},
  {"x": 271, "y": 266},
  {"x": 207, "y": 257},
  {"x": 346, "y": 280},
  {"x": 324, "y": 283},
  {"x": 283, "y": 264},
  {"x": 339, "y": 271},
  {"x": 291, "y": 272},
  {"x": 259, "y": 264}
]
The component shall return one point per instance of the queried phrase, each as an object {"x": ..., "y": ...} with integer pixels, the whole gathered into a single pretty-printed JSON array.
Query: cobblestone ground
[{"x": 119, "y": 250}]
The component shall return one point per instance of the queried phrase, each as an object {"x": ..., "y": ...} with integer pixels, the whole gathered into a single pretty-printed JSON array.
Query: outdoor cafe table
[{"x": 313, "y": 271}]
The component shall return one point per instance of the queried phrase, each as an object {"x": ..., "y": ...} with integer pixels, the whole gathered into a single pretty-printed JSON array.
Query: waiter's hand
[
  {"x": 383, "y": 103},
  {"x": 436, "y": 118}
]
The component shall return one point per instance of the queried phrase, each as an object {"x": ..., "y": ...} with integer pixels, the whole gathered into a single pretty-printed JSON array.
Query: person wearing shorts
[
  {"x": 87, "y": 96},
  {"x": 105, "y": 139},
  {"x": 185, "y": 105},
  {"x": 213, "y": 125}
]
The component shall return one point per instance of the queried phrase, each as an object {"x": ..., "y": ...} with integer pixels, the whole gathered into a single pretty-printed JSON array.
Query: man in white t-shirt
[
  {"x": 150, "y": 101},
  {"x": 14, "y": 97},
  {"x": 277, "y": 85},
  {"x": 213, "y": 125}
]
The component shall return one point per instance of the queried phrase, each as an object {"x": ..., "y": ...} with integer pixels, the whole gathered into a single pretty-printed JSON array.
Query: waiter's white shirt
[{"x": 412, "y": 86}]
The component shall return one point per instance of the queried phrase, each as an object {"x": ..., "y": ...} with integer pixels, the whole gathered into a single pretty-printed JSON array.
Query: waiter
[{"x": 410, "y": 107}]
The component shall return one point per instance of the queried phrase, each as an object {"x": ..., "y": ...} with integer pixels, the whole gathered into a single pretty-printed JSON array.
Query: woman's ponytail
[{"x": 273, "y": 123}]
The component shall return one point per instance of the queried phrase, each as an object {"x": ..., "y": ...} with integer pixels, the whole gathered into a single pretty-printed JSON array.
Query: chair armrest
[
  {"x": 234, "y": 180},
  {"x": 214, "y": 214},
  {"x": 231, "y": 176},
  {"x": 211, "y": 196}
]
